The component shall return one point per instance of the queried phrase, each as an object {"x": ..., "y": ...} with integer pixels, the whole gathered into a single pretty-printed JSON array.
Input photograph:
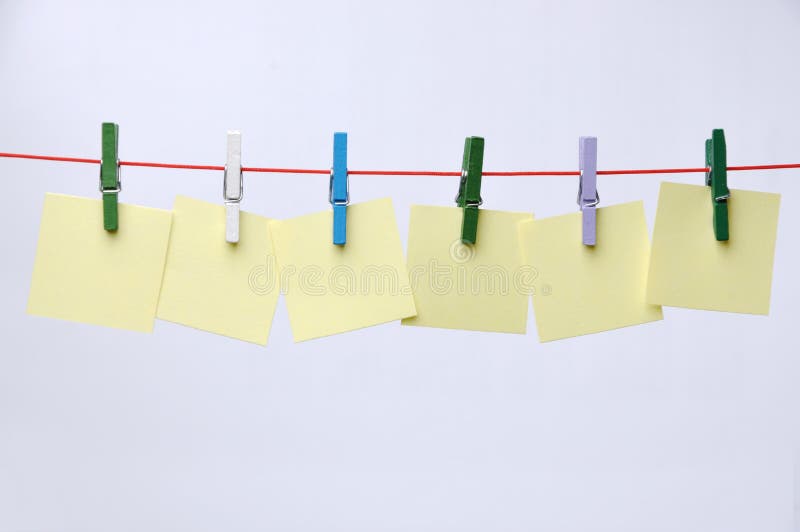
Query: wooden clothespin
[
  {"x": 588, "y": 198},
  {"x": 232, "y": 187},
  {"x": 717, "y": 179},
  {"x": 110, "y": 183},
  {"x": 339, "y": 192},
  {"x": 469, "y": 190}
]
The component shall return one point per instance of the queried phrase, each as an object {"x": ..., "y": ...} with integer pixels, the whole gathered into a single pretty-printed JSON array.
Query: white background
[{"x": 683, "y": 425}]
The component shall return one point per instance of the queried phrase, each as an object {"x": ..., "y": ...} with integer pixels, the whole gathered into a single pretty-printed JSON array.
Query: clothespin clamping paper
[
  {"x": 232, "y": 186},
  {"x": 588, "y": 198},
  {"x": 339, "y": 192},
  {"x": 110, "y": 183},
  {"x": 717, "y": 179},
  {"x": 469, "y": 190}
]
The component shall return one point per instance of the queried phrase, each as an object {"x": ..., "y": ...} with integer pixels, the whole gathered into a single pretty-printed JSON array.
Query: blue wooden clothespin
[
  {"x": 339, "y": 194},
  {"x": 717, "y": 179},
  {"x": 588, "y": 198}
]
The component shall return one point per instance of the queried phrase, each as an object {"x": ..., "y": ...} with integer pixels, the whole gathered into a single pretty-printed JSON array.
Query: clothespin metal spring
[
  {"x": 332, "y": 201},
  {"x": 232, "y": 199},
  {"x": 115, "y": 190}
]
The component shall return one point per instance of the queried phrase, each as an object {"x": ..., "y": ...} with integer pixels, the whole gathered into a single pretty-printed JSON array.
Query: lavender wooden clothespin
[{"x": 588, "y": 198}]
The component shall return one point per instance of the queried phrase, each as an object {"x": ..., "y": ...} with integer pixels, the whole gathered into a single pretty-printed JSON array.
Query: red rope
[
  {"x": 168, "y": 165},
  {"x": 285, "y": 170},
  {"x": 49, "y": 158},
  {"x": 395, "y": 172}
]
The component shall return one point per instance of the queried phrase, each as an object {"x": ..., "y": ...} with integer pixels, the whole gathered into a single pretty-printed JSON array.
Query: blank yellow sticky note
[
  {"x": 477, "y": 287},
  {"x": 332, "y": 289},
  {"x": 216, "y": 286},
  {"x": 690, "y": 268},
  {"x": 587, "y": 289},
  {"x": 86, "y": 274}
]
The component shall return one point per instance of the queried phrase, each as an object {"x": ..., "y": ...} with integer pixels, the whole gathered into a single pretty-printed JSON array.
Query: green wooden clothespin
[
  {"x": 717, "y": 179},
  {"x": 110, "y": 184},
  {"x": 469, "y": 190}
]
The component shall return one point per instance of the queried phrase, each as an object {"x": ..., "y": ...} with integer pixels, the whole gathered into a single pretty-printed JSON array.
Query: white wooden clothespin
[{"x": 232, "y": 186}]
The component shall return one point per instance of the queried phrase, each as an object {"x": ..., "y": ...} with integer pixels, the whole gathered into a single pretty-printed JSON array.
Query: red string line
[
  {"x": 49, "y": 158},
  {"x": 396, "y": 172}
]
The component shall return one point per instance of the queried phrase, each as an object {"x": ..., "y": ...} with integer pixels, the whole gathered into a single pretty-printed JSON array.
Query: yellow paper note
[
  {"x": 86, "y": 274},
  {"x": 332, "y": 289},
  {"x": 210, "y": 284},
  {"x": 690, "y": 268},
  {"x": 587, "y": 289},
  {"x": 480, "y": 287}
]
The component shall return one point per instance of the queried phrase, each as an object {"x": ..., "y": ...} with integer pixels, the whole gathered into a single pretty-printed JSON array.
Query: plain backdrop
[{"x": 688, "y": 424}]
